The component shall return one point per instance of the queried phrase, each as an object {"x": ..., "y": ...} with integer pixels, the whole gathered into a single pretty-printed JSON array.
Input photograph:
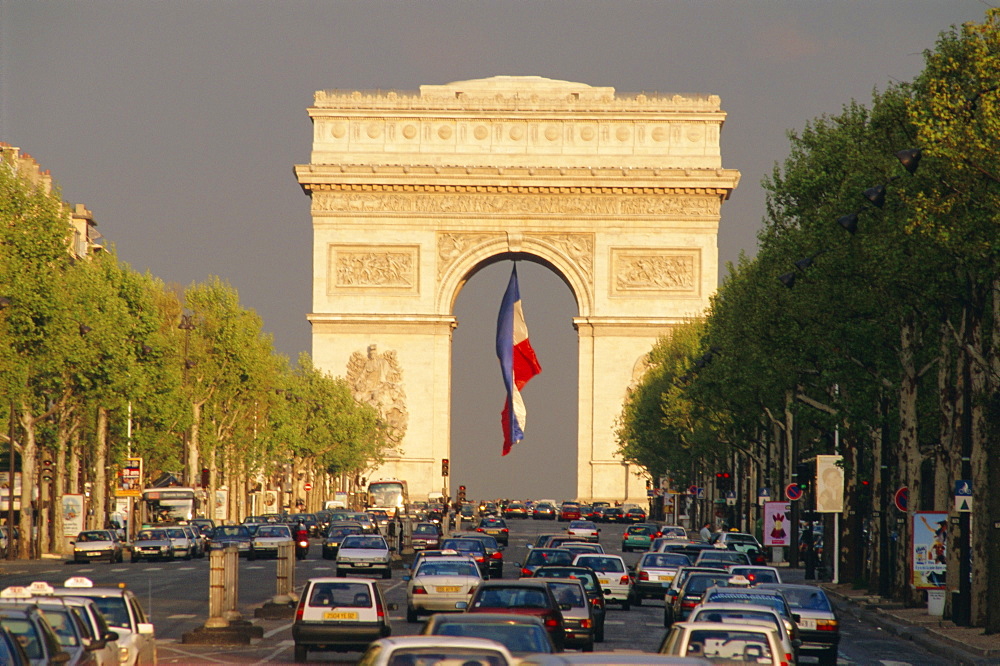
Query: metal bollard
[
  {"x": 216, "y": 590},
  {"x": 286, "y": 573},
  {"x": 230, "y": 605}
]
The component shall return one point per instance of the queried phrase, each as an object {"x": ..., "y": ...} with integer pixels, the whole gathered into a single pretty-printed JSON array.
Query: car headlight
[{"x": 123, "y": 655}]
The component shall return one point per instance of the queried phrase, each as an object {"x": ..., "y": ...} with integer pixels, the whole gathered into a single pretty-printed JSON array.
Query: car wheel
[
  {"x": 624, "y": 549},
  {"x": 626, "y": 605},
  {"x": 637, "y": 598},
  {"x": 301, "y": 653},
  {"x": 250, "y": 555},
  {"x": 412, "y": 615},
  {"x": 340, "y": 573},
  {"x": 828, "y": 658},
  {"x": 589, "y": 647},
  {"x": 387, "y": 574}
]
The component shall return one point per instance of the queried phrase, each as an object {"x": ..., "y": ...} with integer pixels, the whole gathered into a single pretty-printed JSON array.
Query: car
[
  {"x": 542, "y": 540},
  {"x": 380, "y": 517},
  {"x": 738, "y": 591},
  {"x": 181, "y": 541},
  {"x": 757, "y": 574},
  {"x": 740, "y": 541},
  {"x": 339, "y": 614},
  {"x": 612, "y": 514},
  {"x": 744, "y": 613},
  {"x": 435, "y": 650},
  {"x": 653, "y": 574},
  {"x": 425, "y": 536},
  {"x": 91, "y": 545},
  {"x": 267, "y": 539},
  {"x": 151, "y": 544},
  {"x": 204, "y": 525},
  {"x": 583, "y": 530},
  {"x": 28, "y": 625},
  {"x": 539, "y": 557},
  {"x": 673, "y": 532},
  {"x": 725, "y": 642},
  {"x": 818, "y": 625},
  {"x": 335, "y": 534},
  {"x": 689, "y": 548},
  {"x": 544, "y": 511},
  {"x": 124, "y": 615},
  {"x": 578, "y": 615},
  {"x": 724, "y": 558},
  {"x": 422, "y": 556},
  {"x": 494, "y": 553},
  {"x": 569, "y": 511},
  {"x": 224, "y": 535},
  {"x": 495, "y": 527},
  {"x": 199, "y": 544},
  {"x": 103, "y": 641},
  {"x": 474, "y": 548},
  {"x": 610, "y": 659},
  {"x": 441, "y": 584},
  {"x": 515, "y": 510},
  {"x": 521, "y": 635},
  {"x": 73, "y": 635},
  {"x": 635, "y": 515},
  {"x": 591, "y": 587},
  {"x": 577, "y": 547},
  {"x": 436, "y": 512},
  {"x": 613, "y": 576},
  {"x": 11, "y": 651},
  {"x": 467, "y": 512},
  {"x": 637, "y": 537},
  {"x": 690, "y": 593},
  {"x": 522, "y": 597},
  {"x": 364, "y": 553},
  {"x": 674, "y": 588},
  {"x": 593, "y": 513}
]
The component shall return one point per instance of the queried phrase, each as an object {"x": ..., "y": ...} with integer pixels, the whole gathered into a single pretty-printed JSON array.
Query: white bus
[{"x": 388, "y": 495}]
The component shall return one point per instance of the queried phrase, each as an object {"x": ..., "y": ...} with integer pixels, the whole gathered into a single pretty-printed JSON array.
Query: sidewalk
[{"x": 960, "y": 645}]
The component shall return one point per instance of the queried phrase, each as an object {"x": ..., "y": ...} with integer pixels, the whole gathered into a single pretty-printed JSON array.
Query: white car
[
  {"x": 105, "y": 641},
  {"x": 757, "y": 574},
  {"x": 124, "y": 615},
  {"x": 673, "y": 532},
  {"x": 364, "y": 554},
  {"x": 436, "y": 650},
  {"x": 441, "y": 584},
  {"x": 339, "y": 614},
  {"x": 613, "y": 576},
  {"x": 267, "y": 538},
  {"x": 743, "y": 613},
  {"x": 584, "y": 530},
  {"x": 723, "y": 641}
]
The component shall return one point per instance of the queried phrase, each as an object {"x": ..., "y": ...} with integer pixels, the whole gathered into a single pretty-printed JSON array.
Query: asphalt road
[{"x": 175, "y": 595}]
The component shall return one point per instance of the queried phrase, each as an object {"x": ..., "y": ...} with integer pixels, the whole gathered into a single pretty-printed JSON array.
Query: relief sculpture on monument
[{"x": 377, "y": 380}]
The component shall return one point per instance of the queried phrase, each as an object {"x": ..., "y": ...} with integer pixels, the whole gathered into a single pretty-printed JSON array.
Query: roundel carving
[
  {"x": 660, "y": 134},
  {"x": 444, "y": 132},
  {"x": 481, "y": 132},
  {"x": 338, "y": 130},
  {"x": 587, "y": 133},
  {"x": 516, "y": 132},
  {"x": 551, "y": 132},
  {"x": 409, "y": 131},
  {"x": 622, "y": 133},
  {"x": 374, "y": 130}
]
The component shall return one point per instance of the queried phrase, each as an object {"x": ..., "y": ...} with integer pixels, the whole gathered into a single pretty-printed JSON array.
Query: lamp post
[{"x": 190, "y": 467}]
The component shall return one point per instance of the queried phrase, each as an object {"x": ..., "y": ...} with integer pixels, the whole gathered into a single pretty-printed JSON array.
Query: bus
[
  {"x": 168, "y": 505},
  {"x": 388, "y": 495}
]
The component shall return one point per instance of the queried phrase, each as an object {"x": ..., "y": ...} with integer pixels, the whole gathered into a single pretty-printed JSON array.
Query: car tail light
[
  {"x": 497, "y": 555},
  {"x": 625, "y": 580},
  {"x": 480, "y": 559},
  {"x": 505, "y": 530},
  {"x": 300, "y": 608},
  {"x": 643, "y": 575},
  {"x": 551, "y": 622},
  {"x": 479, "y": 529},
  {"x": 598, "y": 602},
  {"x": 688, "y": 604},
  {"x": 826, "y": 625},
  {"x": 526, "y": 572},
  {"x": 379, "y": 611},
  {"x": 419, "y": 589},
  {"x": 585, "y": 624}
]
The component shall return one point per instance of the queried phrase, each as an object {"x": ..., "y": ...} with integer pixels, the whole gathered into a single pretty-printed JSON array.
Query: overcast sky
[{"x": 178, "y": 123}]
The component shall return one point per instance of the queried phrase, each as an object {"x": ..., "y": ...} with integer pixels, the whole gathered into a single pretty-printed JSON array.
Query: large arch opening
[{"x": 545, "y": 463}]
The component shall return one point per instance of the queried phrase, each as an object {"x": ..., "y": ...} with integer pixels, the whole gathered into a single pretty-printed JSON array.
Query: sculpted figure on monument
[{"x": 376, "y": 379}]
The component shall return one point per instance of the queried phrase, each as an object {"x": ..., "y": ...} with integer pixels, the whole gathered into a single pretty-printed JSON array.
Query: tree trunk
[
  {"x": 910, "y": 460},
  {"x": 980, "y": 481},
  {"x": 58, "y": 490},
  {"x": 99, "y": 491},
  {"x": 193, "y": 472},
  {"x": 29, "y": 450},
  {"x": 992, "y": 517},
  {"x": 213, "y": 483},
  {"x": 74, "y": 463}
]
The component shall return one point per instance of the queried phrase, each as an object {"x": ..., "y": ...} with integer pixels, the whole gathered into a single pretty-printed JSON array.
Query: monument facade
[{"x": 413, "y": 193}]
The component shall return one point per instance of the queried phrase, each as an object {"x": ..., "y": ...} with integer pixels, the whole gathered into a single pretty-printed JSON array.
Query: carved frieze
[
  {"x": 451, "y": 247},
  {"x": 377, "y": 380},
  {"x": 514, "y": 203},
  {"x": 373, "y": 266},
  {"x": 642, "y": 270},
  {"x": 578, "y": 247}
]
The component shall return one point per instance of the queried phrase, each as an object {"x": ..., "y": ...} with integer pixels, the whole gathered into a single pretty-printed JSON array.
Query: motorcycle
[{"x": 301, "y": 545}]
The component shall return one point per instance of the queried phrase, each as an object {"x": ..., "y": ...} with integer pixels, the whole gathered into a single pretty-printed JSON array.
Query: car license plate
[
  {"x": 602, "y": 581},
  {"x": 807, "y": 623},
  {"x": 340, "y": 615},
  {"x": 362, "y": 564},
  {"x": 448, "y": 588},
  {"x": 90, "y": 553},
  {"x": 667, "y": 578},
  {"x": 493, "y": 531}
]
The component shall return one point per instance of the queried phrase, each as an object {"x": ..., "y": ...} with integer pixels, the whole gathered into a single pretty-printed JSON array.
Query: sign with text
[
  {"x": 829, "y": 484},
  {"x": 777, "y": 523},
  {"x": 221, "y": 504},
  {"x": 73, "y": 515},
  {"x": 130, "y": 479},
  {"x": 930, "y": 539}
]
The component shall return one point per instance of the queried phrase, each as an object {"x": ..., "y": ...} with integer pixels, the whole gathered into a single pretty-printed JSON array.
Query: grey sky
[{"x": 178, "y": 124}]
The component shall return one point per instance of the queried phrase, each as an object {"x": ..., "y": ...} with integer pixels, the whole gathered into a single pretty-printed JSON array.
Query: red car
[
  {"x": 530, "y": 596},
  {"x": 569, "y": 511}
]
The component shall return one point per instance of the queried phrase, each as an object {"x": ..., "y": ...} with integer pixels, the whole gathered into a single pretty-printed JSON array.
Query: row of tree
[
  {"x": 868, "y": 322},
  {"x": 99, "y": 362}
]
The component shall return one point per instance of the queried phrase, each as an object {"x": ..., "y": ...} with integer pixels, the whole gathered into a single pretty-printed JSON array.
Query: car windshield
[
  {"x": 61, "y": 622},
  {"x": 425, "y": 529},
  {"x": 448, "y": 569},
  {"x": 665, "y": 560},
  {"x": 114, "y": 611},
  {"x": 274, "y": 531},
  {"x": 603, "y": 564},
  {"x": 730, "y": 614},
  {"x": 464, "y": 545},
  {"x": 230, "y": 531},
  {"x": 363, "y": 542},
  {"x": 542, "y": 556},
  {"x": 27, "y": 635},
  {"x": 341, "y": 595},
  {"x": 805, "y": 598},
  {"x": 151, "y": 535},
  {"x": 94, "y": 536},
  {"x": 568, "y": 593},
  {"x": 730, "y": 646},
  {"x": 518, "y": 638}
]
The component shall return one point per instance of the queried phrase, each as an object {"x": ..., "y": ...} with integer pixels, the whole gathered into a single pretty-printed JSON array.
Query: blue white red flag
[{"x": 517, "y": 362}]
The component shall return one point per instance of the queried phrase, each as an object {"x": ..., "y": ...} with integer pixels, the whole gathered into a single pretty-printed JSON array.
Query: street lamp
[{"x": 187, "y": 325}]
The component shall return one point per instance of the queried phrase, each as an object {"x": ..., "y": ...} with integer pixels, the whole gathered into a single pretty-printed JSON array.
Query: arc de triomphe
[{"x": 413, "y": 193}]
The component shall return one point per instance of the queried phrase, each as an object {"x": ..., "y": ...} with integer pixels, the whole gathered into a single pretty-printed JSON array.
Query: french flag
[{"x": 517, "y": 362}]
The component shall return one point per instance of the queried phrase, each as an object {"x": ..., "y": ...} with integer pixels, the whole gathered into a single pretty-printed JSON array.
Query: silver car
[
  {"x": 362, "y": 554},
  {"x": 91, "y": 545},
  {"x": 152, "y": 544},
  {"x": 578, "y": 615},
  {"x": 267, "y": 538}
]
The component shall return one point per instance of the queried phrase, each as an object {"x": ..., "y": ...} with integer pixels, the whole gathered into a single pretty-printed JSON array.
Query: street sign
[
  {"x": 963, "y": 496},
  {"x": 308, "y": 486},
  {"x": 693, "y": 490},
  {"x": 763, "y": 495},
  {"x": 700, "y": 493},
  {"x": 793, "y": 492},
  {"x": 901, "y": 497},
  {"x": 731, "y": 497}
]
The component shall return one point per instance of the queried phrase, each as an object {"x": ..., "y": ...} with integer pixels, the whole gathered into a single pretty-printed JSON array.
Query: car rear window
[
  {"x": 511, "y": 597},
  {"x": 606, "y": 564},
  {"x": 274, "y": 531},
  {"x": 425, "y": 529},
  {"x": 230, "y": 531},
  {"x": 806, "y": 599},
  {"x": 726, "y": 615},
  {"x": 736, "y": 646},
  {"x": 732, "y": 596},
  {"x": 665, "y": 560},
  {"x": 544, "y": 556},
  {"x": 448, "y": 569},
  {"x": 567, "y": 593},
  {"x": 464, "y": 545},
  {"x": 341, "y": 595},
  {"x": 518, "y": 638},
  {"x": 364, "y": 542}
]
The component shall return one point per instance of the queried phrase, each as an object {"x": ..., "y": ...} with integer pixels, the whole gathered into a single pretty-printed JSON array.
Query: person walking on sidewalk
[{"x": 706, "y": 532}]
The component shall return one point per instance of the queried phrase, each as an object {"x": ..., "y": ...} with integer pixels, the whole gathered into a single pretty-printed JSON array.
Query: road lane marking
[
  {"x": 276, "y": 630},
  {"x": 181, "y": 616}
]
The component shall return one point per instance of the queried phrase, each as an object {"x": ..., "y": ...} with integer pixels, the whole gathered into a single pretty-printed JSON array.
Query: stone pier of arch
[{"x": 411, "y": 193}]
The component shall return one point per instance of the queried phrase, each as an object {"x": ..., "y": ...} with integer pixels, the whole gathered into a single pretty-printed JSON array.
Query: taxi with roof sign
[{"x": 124, "y": 615}]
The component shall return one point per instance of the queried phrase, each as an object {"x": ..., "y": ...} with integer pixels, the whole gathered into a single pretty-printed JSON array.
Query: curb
[{"x": 931, "y": 640}]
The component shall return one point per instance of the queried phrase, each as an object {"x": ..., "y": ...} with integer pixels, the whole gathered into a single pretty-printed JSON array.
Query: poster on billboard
[
  {"x": 130, "y": 479},
  {"x": 777, "y": 524},
  {"x": 5, "y": 490},
  {"x": 930, "y": 538},
  {"x": 221, "y": 504},
  {"x": 829, "y": 484},
  {"x": 73, "y": 515}
]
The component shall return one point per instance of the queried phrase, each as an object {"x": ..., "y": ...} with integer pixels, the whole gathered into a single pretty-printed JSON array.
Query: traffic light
[
  {"x": 803, "y": 476},
  {"x": 723, "y": 481},
  {"x": 461, "y": 494},
  {"x": 444, "y": 467},
  {"x": 48, "y": 469}
]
